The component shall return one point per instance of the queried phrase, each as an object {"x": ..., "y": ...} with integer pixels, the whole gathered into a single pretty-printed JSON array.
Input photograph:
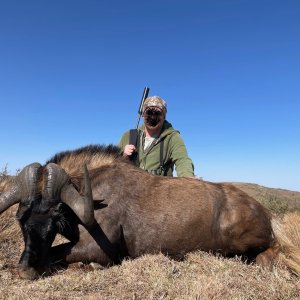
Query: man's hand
[{"x": 128, "y": 150}]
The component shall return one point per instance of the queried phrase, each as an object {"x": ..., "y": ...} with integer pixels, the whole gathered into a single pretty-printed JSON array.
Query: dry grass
[{"x": 199, "y": 276}]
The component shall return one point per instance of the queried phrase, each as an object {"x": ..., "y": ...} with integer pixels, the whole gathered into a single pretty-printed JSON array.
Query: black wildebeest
[{"x": 117, "y": 210}]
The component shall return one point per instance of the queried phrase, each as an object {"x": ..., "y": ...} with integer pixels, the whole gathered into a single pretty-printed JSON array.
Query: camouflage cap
[{"x": 155, "y": 101}]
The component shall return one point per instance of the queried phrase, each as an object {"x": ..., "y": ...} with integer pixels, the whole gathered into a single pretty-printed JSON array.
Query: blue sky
[{"x": 72, "y": 73}]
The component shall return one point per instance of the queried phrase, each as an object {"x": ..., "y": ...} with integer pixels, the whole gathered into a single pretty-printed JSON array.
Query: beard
[{"x": 152, "y": 121}]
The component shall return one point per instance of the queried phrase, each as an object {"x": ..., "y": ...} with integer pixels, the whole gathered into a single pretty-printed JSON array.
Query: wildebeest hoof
[
  {"x": 28, "y": 273},
  {"x": 87, "y": 267},
  {"x": 96, "y": 266}
]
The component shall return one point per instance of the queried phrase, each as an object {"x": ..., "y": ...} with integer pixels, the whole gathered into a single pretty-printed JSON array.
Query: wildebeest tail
[{"x": 288, "y": 239}]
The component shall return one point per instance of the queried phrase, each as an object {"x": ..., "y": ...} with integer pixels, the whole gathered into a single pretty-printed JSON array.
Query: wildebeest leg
[
  {"x": 59, "y": 253},
  {"x": 62, "y": 257},
  {"x": 93, "y": 246},
  {"x": 266, "y": 258},
  {"x": 66, "y": 254}
]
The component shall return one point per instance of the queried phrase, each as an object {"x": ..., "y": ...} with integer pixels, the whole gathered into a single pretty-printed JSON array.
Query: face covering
[{"x": 152, "y": 117}]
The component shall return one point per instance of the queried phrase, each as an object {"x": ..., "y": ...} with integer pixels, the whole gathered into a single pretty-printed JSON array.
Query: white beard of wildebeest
[{"x": 152, "y": 118}]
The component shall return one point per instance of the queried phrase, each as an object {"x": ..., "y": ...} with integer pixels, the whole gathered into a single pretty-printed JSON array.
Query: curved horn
[
  {"x": 10, "y": 197},
  {"x": 82, "y": 206},
  {"x": 24, "y": 189},
  {"x": 54, "y": 179},
  {"x": 59, "y": 187}
]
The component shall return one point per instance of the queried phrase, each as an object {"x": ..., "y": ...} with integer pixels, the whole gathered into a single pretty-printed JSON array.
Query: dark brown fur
[
  {"x": 138, "y": 213},
  {"x": 171, "y": 215}
]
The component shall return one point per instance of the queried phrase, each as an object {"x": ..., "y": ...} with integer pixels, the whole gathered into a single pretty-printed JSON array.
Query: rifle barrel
[{"x": 140, "y": 111}]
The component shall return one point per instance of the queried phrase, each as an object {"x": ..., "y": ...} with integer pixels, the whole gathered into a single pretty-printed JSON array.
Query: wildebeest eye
[
  {"x": 58, "y": 207},
  {"x": 98, "y": 204},
  {"x": 23, "y": 214}
]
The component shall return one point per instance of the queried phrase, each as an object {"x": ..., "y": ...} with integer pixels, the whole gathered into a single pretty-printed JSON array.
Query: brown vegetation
[{"x": 198, "y": 276}]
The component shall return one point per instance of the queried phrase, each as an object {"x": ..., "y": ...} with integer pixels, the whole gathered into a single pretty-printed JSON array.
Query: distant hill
[{"x": 277, "y": 200}]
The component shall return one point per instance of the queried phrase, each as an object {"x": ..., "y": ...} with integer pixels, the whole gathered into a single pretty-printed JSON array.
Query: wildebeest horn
[
  {"x": 54, "y": 180},
  {"x": 58, "y": 186},
  {"x": 25, "y": 187}
]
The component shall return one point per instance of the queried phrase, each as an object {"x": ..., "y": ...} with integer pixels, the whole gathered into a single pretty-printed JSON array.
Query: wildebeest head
[{"x": 40, "y": 192}]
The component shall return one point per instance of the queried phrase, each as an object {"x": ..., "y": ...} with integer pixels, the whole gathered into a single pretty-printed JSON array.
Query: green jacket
[{"x": 174, "y": 153}]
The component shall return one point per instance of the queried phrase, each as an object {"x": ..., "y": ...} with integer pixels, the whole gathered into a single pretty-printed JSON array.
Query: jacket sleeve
[
  {"x": 183, "y": 164},
  {"x": 124, "y": 140}
]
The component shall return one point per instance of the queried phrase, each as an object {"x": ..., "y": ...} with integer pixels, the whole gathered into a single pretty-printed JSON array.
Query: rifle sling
[
  {"x": 161, "y": 157},
  {"x": 134, "y": 139}
]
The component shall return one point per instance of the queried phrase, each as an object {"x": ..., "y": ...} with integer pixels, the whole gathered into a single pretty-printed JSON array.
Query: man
[{"x": 160, "y": 146}]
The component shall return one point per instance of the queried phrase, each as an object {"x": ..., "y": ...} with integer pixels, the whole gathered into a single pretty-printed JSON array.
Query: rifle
[
  {"x": 140, "y": 111},
  {"x": 133, "y": 133}
]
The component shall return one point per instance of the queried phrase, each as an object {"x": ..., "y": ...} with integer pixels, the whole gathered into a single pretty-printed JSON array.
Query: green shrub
[{"x": 274, "y": 203}]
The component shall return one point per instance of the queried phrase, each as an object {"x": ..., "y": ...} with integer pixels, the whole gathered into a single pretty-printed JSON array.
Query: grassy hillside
[{"x": 277, "y": 200}]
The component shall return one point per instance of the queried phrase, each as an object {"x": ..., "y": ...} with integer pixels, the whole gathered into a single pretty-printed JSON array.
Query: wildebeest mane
[{"x": 94, "y": 156}]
